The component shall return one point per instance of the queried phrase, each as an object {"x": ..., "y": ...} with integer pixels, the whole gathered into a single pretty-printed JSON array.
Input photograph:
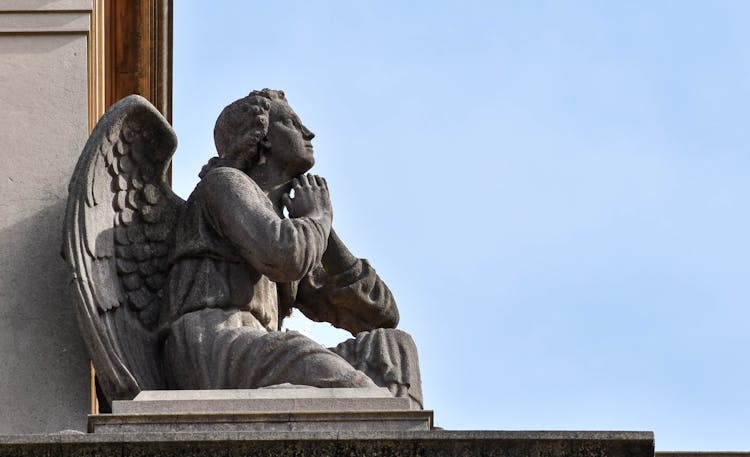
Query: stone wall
[{"x": 44, "y": 116}]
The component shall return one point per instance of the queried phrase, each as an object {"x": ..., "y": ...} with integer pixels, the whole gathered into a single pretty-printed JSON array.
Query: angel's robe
[{"x": 236, "y": 264}]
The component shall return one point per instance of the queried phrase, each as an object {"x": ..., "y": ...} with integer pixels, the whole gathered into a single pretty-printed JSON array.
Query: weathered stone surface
[
  {"x": 43, "y": 126},
  {"x": 230, "y": 264},
  {"x": 333, "y": 444},
  {"x": 261, "y": 401},
  {"x": 282, "y": 421},
  {"x": 270, "y": 392}
]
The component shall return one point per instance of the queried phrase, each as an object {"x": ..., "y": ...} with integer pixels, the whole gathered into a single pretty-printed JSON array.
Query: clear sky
[{"x": 556, "y": 192}]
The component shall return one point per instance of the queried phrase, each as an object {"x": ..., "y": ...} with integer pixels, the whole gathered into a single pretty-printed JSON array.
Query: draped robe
[{"x": 238, "y": 268}]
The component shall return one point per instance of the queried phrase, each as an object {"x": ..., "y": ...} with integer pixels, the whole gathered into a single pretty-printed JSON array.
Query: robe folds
[{"x": 238, "y": 268}]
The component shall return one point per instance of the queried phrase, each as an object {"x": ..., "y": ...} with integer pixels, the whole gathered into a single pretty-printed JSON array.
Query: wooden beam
[{"x": 139, "y": 51}]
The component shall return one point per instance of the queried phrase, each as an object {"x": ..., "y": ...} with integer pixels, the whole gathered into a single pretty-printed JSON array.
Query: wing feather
[{"x": 117, "y": 237}]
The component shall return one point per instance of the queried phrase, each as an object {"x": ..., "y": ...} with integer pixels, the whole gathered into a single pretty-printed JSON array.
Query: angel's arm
[
  {"x": 347, "y": 292},
  {"x": 284, "y": 250}
]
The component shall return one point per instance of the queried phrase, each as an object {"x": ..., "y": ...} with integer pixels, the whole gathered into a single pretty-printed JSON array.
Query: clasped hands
[{"x": 311, "y": 198}]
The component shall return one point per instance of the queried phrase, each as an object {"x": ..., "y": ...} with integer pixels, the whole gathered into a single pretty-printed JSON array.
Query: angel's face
[{"x": 290, "y": 141}]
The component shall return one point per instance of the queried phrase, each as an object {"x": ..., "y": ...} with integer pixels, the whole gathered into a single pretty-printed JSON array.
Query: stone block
[
  {"x": 328, "y": 421},
  {"x": 436, "y": 443},
  {"x": 287, "y": 400},
  {"x": 290, "y": 408}
]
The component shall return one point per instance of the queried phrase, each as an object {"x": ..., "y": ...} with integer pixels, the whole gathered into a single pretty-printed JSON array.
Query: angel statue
[{"x": 174, "y": 294}]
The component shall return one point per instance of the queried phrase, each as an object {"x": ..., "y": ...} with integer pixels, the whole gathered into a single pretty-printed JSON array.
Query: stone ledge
[
  {"x": 297, "y": 400},
  {"x": 265, "y": 393},
  {"x": 383, "y": 444},
  {"x": 261, "y": 405},
  {"x": 291, "y": 421}
]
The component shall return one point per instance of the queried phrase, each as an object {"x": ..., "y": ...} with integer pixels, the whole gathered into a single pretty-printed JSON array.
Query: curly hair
[{"x": 240, "y": 128}]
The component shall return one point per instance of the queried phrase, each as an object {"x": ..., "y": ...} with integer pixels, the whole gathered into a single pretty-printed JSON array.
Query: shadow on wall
[{"x": 43, "y": 363}]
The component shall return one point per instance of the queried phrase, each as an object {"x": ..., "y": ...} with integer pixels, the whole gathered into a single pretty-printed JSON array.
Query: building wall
[
  {"x": 62, "y": 62},
  {"x": 44, "y": 123}
]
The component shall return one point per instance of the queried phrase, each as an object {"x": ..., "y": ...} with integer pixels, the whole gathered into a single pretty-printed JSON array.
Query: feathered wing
[{"x": 117, "y": 236}]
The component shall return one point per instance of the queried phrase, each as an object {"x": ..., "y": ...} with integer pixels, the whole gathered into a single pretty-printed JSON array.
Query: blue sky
[{"x": 556, "y": 192}]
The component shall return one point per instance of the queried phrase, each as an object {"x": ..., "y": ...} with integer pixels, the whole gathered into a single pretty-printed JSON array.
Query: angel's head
[{"x": 259, "y": 128}]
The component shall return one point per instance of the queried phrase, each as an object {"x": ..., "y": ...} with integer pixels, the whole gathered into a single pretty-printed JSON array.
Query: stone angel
[{"x": 174, "y": 294}]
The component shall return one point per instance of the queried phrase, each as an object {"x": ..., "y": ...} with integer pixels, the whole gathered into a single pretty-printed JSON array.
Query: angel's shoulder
[
  {"x": 224, "y": 183},
  {"x": 228, "y": 176}
]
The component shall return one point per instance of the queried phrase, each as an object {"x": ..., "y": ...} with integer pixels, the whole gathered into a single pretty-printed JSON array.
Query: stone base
[
  {"x": 248, "y": 401},
  {"x": 285, "y": 409},
  {"x": 384, "y": 444},
  {"x": 262, "y": 422}
]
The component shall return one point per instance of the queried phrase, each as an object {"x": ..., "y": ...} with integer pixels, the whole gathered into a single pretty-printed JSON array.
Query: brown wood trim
[
  {"x": 96, "y": 92},
  {"x": 161, "y": 56},
  {"x": 92, "y": 388},
  {"x": 96, "y": 67},
  {"x": 139, "y": 51}
]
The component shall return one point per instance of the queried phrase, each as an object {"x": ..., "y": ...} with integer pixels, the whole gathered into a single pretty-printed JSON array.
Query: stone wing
[{"x": 117, "y": 237}]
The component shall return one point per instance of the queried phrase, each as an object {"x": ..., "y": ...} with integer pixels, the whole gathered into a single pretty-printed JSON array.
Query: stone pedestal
[
  {"x": 333, "y": 444},
  {"x": 293, "y": 408}
]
